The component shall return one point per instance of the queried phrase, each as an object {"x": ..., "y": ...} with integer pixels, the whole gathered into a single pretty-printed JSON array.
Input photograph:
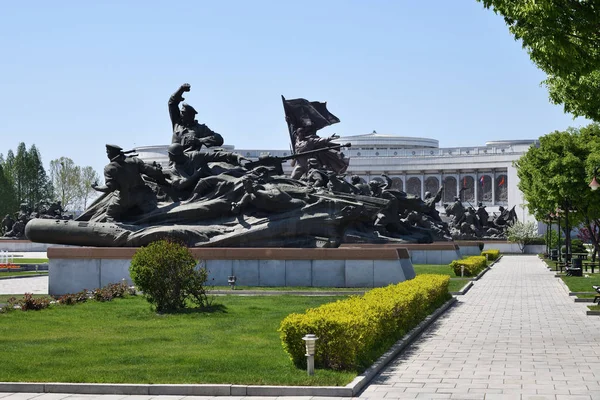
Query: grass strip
[
  {"x": 123, "y": 341},
  {"x": 290, "y": 289},
  {"x": 21, "y": 273},
  {"x": 581, "y": 283},
  {"x": 443, "y": 269},
  {"x": 19, "y": 260},
  {"x": 4, "y": 297},
  {"x": 455, "y": 285}
]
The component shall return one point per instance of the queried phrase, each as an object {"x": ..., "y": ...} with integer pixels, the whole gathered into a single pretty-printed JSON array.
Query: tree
[
  {"x": 39, "y": 185},
  {"x": 522, "y": 233},
  {"x": 88, "y": 176},
  {"x": 25, "y": 171},
  {"x": 556, "y": 174},
  {"x": 66, "y": 179},
  {"x": 562, "y": 38},
  {"x": 72, "y": 183},
  {"x": 8, "y": 199}
]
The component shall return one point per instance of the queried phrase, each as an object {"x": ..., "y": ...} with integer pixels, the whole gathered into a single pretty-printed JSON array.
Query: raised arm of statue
[
  {"x": 110, "y": 184},
  {"x": 388, "y": 182},
  {"x": 174, "y": 101}
]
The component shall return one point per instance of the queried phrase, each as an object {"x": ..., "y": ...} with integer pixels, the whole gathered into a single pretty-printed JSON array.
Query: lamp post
[
  {"x": 548, "y": 227},
  {"x": 558, "y": 210},
  {"x": 567, "y": 231},
  {"x": 310, "y": 341},
  {"x": 231, "y": 281}
]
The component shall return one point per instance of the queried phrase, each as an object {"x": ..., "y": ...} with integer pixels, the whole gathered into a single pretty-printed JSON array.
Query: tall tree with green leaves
[
  {"x": 556, "y": 175},
  {"x": 66, "y": 180},
  {"x": 88, "y": 176},
  {"x": 562, "y": 38},
  {"x": 27, "y": 175},
  {"x": 8, "y": 199}
]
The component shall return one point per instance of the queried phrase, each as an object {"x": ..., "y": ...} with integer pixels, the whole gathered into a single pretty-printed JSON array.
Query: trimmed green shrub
[
  {"x": 354, "y": 332},
  {"x": 492, "y": 254},
  {"x": 166, "y": 273},
  {"x": 472, "y": 265},
  {"x": 537, "y": 240},
  {"x": 577, "y": 246}
]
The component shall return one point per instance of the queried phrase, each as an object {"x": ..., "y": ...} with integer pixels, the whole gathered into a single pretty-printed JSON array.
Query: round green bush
[
  {"x": 166, "y": 273},
  {"x": 577, "y": 246}
]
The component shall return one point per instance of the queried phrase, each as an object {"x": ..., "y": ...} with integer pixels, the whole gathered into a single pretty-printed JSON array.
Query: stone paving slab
[{"x": 34, "y": 284}]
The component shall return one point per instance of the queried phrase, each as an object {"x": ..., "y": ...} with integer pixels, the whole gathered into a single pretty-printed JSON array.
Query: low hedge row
[
  {"x": 492, "y": 254},
  {"x": 354, "y": 332},
  {"x": 472, "y": 265}
]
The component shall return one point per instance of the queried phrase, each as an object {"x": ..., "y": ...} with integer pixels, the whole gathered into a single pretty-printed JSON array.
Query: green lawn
[
  {"x": 457, "y": 284},
  {"x": 4, "y": 297},
  {"x": 443, "y": 269},
  {"x": 581, "y": 284},
  {"x": 123, "y": 341},
  {"x": 291, "y": 288},
  {"x": 20, "y": 273},
  {"x": 19, "y": 260}
]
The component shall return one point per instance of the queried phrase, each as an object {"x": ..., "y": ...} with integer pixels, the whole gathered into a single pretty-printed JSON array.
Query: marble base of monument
[
  {"x": 74, "y": 269},
  {"x": 427, "y": 253},
  {"x": 471, "y": 248}
]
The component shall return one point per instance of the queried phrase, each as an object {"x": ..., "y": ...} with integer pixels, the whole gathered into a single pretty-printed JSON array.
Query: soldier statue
[
  {"x": 123, "y": 178},
  {"x": 186, "y": 130},
  {"x": 7, "y": 224},
  {"x": 360, "y": 185}
]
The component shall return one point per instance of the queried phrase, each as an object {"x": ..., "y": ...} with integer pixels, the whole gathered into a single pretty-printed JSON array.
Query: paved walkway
[
  {"x": 515, "y": 335},
  {"x": 31, "y": 284}
]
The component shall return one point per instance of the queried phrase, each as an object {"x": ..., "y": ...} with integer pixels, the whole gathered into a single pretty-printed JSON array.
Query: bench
[
  {"x": 591, "y": 265},
  {"x": 597, "y": 297},
  {"x": 561, "y": 265},
  {"x": 573, "y": 271}
]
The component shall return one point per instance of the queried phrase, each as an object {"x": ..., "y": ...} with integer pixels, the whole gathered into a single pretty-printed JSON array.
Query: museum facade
[{"x": 416, "y": 165}]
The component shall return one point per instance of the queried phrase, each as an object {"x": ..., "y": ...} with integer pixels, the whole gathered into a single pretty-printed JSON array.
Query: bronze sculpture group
[
  {"x": 14, "y": 228},
  {"x": 210, "y": 197}
]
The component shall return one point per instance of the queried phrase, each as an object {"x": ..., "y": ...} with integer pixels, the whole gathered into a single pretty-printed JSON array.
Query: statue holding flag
[{"x": 304, "y": 119}]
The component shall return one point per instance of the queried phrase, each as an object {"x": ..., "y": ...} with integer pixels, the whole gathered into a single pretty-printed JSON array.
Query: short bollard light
[
  {"x": 310, "y": 341},
  {"x": 462, "y": 271},
  {"x": 231, "y": 280}
]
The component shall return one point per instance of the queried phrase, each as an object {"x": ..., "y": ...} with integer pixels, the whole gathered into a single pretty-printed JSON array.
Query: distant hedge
[
  {"x": 492, "y": 254},
  {"x": 354, "y": 332},
  {"x": 472, "y": 265}
]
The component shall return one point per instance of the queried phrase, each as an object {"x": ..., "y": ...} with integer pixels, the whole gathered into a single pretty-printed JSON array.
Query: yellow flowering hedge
[
  {"x": 473, "y": 265},
  {"x": 354, "y": 332},
  {"x": 493, "y": 254}
]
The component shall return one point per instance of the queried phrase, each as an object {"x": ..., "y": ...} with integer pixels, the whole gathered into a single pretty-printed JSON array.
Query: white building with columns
[{"x": 476, "y": 174}]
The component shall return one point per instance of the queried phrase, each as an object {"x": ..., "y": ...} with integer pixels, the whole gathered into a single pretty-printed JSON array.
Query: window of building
[
  {"x": 413, "y": 186},
  {"x": 484, "y": 188},
  {"x": 449, "y": 189},
  {"x": 501, "y": 188}
]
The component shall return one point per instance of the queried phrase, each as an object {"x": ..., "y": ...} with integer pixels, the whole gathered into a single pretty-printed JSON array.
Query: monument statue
[
  {"x": 123, "y": 179},
  {"x": 304, "y": 118},
  {"x": 221, "y": 199},
  {"x": 186, "y": 130}
]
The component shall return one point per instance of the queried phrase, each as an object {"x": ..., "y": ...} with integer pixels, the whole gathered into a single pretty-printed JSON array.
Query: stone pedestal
[{"x": 74, "y": 269}]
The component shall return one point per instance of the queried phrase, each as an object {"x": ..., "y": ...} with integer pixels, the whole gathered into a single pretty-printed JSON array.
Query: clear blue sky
[{"x": 75, "y": 75}]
